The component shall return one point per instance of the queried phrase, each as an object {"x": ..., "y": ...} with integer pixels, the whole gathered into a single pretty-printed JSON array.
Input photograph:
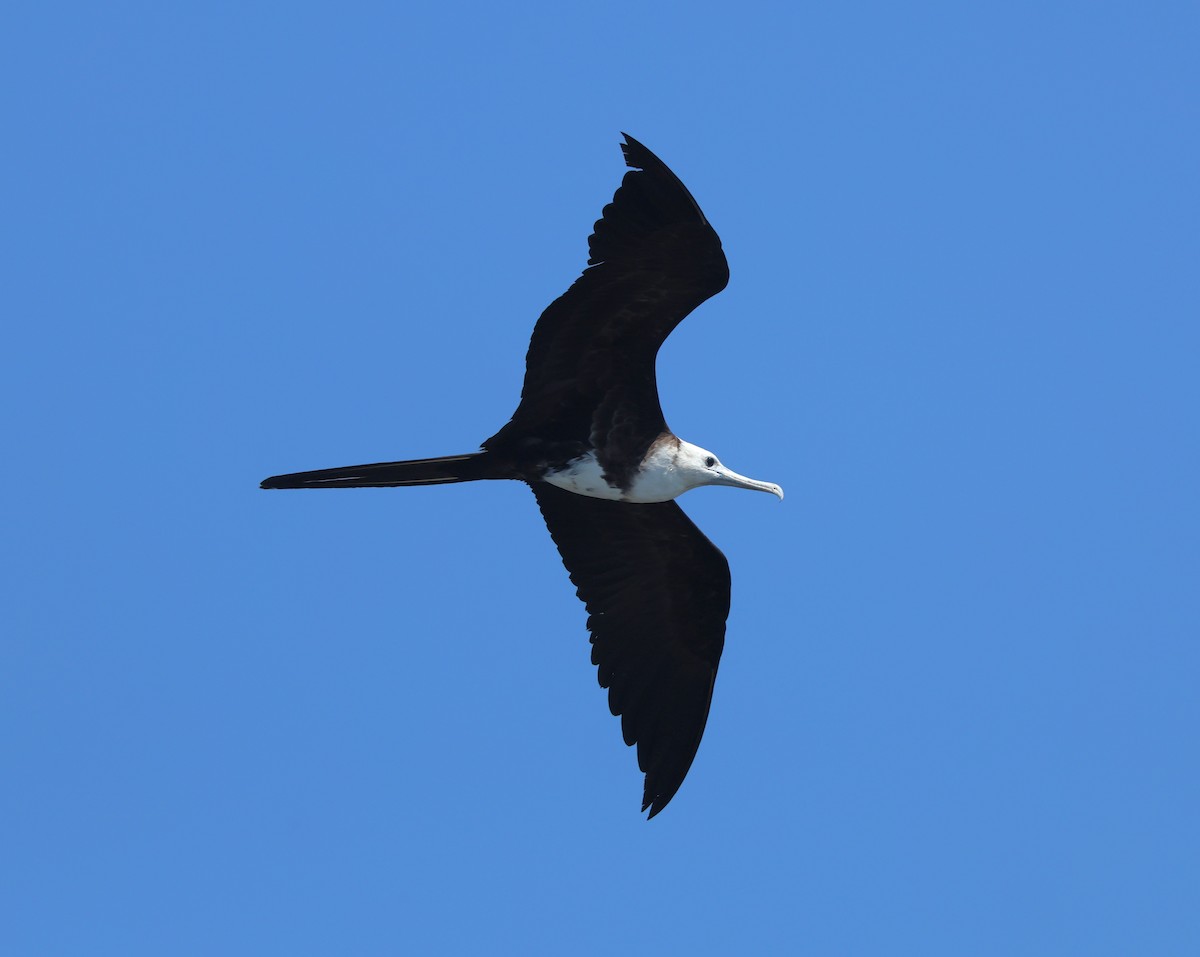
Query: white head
[{"x": 672, "y": 469}]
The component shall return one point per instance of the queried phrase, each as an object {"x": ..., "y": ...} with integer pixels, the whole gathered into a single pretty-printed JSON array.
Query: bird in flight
[{"x": 589, "y": 438}]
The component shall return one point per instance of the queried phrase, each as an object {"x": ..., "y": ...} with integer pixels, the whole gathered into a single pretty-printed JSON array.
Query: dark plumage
[
  {"x": 590, "y": 438},
  {"x": 657, "y": 618},
  {"x": 589, "y": 371}
]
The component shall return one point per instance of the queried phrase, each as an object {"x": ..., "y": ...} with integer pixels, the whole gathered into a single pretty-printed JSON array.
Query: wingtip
[
  {"x": 637, "y": 156},
  {"x": 655, "y": 800},
  {"x": 659, "y": 178}
]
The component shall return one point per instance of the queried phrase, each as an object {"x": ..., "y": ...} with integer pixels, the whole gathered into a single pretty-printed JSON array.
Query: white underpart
[
  {"x": 583, "y": 476},
  {"x": 667, "y": 473}
]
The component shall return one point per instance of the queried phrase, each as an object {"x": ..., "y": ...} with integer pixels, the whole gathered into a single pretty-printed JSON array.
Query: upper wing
[
  {"x": 657, "y": 593},
  {"x": 654, "y": 258}
]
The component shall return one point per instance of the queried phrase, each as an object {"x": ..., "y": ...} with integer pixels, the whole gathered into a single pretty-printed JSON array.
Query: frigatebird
[{"x": 590, "y": 439}]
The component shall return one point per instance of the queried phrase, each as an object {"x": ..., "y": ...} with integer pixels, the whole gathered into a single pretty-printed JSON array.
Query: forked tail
[{"x": 448, "y": 468}]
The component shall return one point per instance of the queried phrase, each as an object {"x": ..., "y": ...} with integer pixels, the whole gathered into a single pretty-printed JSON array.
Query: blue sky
[{"x": 957, "y": 712}]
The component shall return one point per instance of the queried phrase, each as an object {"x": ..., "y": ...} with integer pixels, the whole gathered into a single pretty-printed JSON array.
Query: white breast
[
  {"x": 657, "y": 481},
  {"x": 660, "y": 478},
  {"x": 583, "y": 476}
]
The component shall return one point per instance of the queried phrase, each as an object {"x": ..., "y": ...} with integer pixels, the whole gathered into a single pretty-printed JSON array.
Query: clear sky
[{"x": 957, "y": 712}]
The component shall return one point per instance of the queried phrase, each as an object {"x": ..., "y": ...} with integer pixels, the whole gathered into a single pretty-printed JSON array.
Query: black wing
[
  {"x": 654, "y": 258},
  {"x": 657, "y": 593}
]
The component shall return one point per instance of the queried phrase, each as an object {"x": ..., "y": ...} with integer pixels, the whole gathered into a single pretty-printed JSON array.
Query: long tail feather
[{"x": 449, "y": 468}]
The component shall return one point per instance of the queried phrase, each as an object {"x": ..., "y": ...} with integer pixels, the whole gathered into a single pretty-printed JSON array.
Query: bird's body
[
  {"x": 589, "y": 437},
  {"x": 669, "y": 468}
]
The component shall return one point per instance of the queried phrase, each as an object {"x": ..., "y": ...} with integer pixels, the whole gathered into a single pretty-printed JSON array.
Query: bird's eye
[{"x": 710, "y": 462}]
